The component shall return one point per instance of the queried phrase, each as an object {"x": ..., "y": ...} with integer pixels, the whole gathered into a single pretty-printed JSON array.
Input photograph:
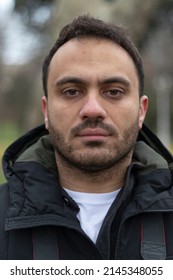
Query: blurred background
[{"x": 28, "y": 29}]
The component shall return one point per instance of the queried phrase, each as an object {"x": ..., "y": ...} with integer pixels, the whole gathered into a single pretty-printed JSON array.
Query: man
[{"x": 94, "y": 182}]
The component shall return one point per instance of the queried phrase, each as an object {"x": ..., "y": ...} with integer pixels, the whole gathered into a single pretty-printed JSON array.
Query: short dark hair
[{"x": 87, "y": 26}]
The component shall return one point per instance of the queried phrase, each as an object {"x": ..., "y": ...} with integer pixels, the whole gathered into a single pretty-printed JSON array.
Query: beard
[{"x": 96, "y": 155}]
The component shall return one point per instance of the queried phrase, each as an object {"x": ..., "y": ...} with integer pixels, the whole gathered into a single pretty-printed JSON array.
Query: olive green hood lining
[
  {"x": 41, "y": 152},
  {"x": 150, "y": 159}
]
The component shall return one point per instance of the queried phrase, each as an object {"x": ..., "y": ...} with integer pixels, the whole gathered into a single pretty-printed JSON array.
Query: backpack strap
[
  {"x": 153, "y": 239},
  {"x": 45, "y": 245}
]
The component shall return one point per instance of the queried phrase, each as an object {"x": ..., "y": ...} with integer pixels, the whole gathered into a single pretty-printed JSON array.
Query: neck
[{"x": 103, "y": 181}]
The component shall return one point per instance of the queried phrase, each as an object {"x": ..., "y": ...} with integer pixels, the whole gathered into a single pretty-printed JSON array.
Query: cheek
[
  {"x": 61, "y": 119},
  {"x": 125, "y": 116}
]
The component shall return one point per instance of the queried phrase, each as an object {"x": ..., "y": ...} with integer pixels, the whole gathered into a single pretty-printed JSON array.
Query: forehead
[
  {"x": 91, "y": 54},
  {"x": 82, "y": 43}
]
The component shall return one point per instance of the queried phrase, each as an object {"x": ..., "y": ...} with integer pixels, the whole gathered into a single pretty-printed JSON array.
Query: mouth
[{"x": 93, "y": 134}]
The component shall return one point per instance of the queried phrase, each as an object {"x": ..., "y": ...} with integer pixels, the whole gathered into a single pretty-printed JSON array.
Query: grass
[{"x": 8, "y": 133}]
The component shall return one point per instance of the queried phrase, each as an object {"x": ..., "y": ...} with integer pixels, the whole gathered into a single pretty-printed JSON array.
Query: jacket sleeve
[{"x": 4, "y": 203}]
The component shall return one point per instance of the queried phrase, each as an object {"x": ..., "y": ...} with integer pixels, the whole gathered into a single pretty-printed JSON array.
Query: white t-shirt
[{"x": 93, "y": 209}]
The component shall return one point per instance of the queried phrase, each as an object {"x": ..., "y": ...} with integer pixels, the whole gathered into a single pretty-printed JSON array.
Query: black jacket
[{"x": 38, "y": 218}]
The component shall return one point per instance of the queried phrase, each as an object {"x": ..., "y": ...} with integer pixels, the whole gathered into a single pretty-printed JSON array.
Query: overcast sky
[
  {"x": 5, "y": 6},
  {"x": 18, "y": 43}
]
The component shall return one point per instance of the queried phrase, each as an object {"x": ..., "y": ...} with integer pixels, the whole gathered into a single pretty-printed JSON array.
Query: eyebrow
[
  {"x": 116, "y": 80},
  {"x": 70, "y": 79},
  {"x": 76, "y": 80}
]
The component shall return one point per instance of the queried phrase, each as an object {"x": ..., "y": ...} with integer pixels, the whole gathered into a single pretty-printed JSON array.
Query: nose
[{"x": 92, "y": 108}]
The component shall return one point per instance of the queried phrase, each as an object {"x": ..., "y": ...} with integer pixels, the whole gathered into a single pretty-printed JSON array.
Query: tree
[{"x": 147, "y": 21}]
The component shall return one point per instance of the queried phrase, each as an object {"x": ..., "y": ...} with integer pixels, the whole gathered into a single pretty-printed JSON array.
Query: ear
[
  {"x": 143, "y": 110},
  {"x": 45, "y": 111}
]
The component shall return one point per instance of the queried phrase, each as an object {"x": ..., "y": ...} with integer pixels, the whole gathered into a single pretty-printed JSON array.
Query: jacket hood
[{"x": 30, "y": 168}]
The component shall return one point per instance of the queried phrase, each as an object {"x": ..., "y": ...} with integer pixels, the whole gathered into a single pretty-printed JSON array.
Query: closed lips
[{"x": 93, "y": 132}]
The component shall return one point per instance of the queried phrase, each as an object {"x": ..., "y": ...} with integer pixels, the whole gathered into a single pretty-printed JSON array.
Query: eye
[
  {"x": 72, "y": 92},
  {"x": 114, "y": 93}
]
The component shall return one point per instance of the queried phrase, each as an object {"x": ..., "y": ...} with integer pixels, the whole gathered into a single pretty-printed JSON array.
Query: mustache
[{"x": 97, "y": 123}]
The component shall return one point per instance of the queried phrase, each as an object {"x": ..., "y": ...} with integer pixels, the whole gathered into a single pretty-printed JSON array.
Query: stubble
[{"x": 98, "y": 155}]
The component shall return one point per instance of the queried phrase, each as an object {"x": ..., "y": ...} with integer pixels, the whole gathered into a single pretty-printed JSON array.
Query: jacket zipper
[{"x": 129, "y": 216}]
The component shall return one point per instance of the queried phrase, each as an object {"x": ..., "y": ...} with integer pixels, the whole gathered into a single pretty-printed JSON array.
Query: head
[
  {"x": 94, "y": 104},
  {"x": 85, "y": 26}
]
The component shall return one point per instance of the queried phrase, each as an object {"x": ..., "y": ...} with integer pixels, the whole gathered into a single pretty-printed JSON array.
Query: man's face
[{"x": 93, "y": 111}]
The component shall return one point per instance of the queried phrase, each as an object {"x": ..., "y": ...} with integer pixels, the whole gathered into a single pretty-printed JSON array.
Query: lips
[{"x": 93, "y": 132}]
